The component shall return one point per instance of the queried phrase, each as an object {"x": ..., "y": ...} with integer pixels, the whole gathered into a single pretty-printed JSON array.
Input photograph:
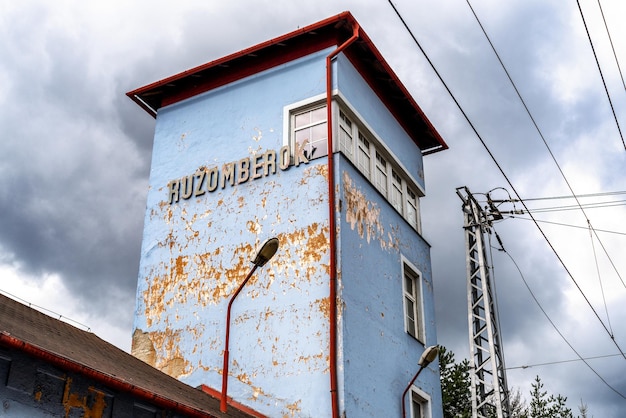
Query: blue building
[{"x": 335, "y": 323}]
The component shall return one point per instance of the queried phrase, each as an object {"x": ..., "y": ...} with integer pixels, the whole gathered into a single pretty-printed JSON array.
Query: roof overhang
[{"x": 299, "y": 43}]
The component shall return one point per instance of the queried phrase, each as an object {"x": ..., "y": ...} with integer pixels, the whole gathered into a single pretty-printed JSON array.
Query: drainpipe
[{"x": 331, "y": 221}]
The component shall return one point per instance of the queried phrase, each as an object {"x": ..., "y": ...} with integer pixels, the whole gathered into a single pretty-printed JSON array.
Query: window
[
  {"x": 380, "y": 175},
  {"x": 363, "y": 158},
  {"x": 307, "y": 129},
  {"x": 310, "y": 132},
  {"x": 420, "y": 407},
  {"x": 411, "y": 209},
  {"x": 413, "y": 312},
  {"x": 396, "y": 193},
  {"x": 346, "y": 143}
]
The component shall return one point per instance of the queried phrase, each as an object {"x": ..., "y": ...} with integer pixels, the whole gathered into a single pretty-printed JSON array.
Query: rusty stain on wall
[
  {"x": 91, "y": 406},
  {"x": 364, "y": 216},
  {"x": 294, "y": 409}
]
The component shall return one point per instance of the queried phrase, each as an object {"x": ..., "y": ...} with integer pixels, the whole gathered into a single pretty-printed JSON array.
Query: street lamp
[
  {"x": 427, "y": 357},
  {"x": 264, "y": 255}
]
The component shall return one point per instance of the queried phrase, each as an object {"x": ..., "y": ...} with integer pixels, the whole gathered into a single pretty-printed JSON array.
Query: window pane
[
  {"x": 364, "y": 156},
  {"x": 381, "y": 174},
  {"x": 396, "y": 192},
  {"x": 345, "y": 135},
  {"x": 408, "y": 284},
  {"x": 416, "y": 406},
  {"x": 411, "y": 208},
  {"x": 310, "y": 131},
  {"x": 318, "y": 115}
]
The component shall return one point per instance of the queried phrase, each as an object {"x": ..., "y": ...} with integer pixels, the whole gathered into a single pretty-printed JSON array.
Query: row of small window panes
[{"x": 386, "y": 178}]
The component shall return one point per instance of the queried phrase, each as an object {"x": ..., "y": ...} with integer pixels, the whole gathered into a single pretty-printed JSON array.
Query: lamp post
[
  {"x": 266, "y": 252},
  {"x": 427, "y": 357}
]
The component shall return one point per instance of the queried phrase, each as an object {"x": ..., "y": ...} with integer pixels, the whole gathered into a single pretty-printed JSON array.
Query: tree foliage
[
  {"x": 457, "y": 402},
  {"x": 546, "y": 407},
  {"x": 455, "y": 385}
]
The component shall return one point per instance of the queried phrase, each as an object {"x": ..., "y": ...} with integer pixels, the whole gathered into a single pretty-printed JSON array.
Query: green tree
[
  {"x": 455, "y": 385},
  {"x": 543, "y": 406}
]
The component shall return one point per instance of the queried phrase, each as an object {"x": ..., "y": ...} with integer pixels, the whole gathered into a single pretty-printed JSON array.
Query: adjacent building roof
[
  {"x": 333, "y": 31},
  {"x": 70, "y": 348}
]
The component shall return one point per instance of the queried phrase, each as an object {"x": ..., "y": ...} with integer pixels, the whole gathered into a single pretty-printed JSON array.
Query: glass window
[
  {"x": 411, "y": 208},
  {"x": 413, "y": 304},
  {"x": 419, "y": 406},
  {"x": 380, "y": 180},
  {"x": 346, "y": 143},
  {"x": 364, "y": 159},
  {"x": 396, "y": 192},
  {"x": 310, "y": 131}
]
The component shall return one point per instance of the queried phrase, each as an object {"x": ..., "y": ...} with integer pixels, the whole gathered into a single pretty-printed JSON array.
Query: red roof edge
[
  {"x": 108, "y": 380},
  {"x": 331, "y": 31}
]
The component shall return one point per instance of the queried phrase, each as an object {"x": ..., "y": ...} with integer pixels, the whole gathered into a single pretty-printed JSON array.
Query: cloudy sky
[{"x": 75, "y": 155}]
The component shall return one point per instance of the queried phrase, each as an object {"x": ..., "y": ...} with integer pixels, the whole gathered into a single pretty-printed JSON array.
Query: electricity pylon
[{"x": 489, "y": 390}]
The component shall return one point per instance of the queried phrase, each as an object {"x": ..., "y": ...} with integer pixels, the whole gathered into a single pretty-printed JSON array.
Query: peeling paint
[
  {"x": 364, "y": 216},
  {"x": 91, "y": 406},
  {"x": 142, "y": 347}
]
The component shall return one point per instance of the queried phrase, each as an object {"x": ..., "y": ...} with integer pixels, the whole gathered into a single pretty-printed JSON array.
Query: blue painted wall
[
  {"x": 196, "y": 251},
  {"x": 379, "y": 357}
]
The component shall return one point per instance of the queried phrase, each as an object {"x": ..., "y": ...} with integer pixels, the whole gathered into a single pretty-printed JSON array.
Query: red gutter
[
  {"x": 331, "y": 221},
  {"x": 106, "y": 379}
]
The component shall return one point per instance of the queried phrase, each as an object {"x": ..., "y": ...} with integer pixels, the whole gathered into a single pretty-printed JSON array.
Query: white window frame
[
  {"x": 423, "y": 399},
  {"x": 381, "y": 176},
  {"x": 364, "y": 157},
  {"x": 364, "y": 148},
  {"x": 291, "y": 110},
  {"x": 346, "y": 134},
  {"x": 415, "y": 296},
  {"x": 396, "y": 195},
  {"x": 310, "y": 145}
]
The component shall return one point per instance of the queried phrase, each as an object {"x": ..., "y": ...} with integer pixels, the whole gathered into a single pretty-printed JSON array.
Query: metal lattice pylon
[{"x": 489, "y": 390}]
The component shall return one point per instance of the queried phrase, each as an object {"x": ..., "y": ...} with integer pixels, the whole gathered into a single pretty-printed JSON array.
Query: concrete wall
[
  {"x": 196, "y": 251},
  {"x": 379, "y": 357}
]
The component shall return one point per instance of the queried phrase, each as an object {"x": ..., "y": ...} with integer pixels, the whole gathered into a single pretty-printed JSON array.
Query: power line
[
  {"x": 580, "y": 357},
  {"x": 529, "y": 199},
  {"x": 560, "y": 170},
  {"x": 601, "y": 75},
  {"x": 504, "y": 174},
  {"x": 612, "y": 47},
  {"x": 567, "y": 225},
  {"x": 595, "y": 205},
  {"x": 550, "y": 363}
]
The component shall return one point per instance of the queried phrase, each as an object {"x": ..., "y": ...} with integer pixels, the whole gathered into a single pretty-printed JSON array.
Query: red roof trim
[
  {"x": 108, "y": 380},
  {"x": 299, "y": 43}
]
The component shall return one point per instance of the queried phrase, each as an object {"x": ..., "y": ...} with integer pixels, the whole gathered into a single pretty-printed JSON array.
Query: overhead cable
[
  {"x": 543, "y": 138},
  {"x": 550, "y": 363},
  {"x": 612, "y": 47},
  {"x": 580, "y": 357},
  {"x": 601, "y": 75},
  {"x": 609, "y": 329},
  {"x": 503, "y": 173}
]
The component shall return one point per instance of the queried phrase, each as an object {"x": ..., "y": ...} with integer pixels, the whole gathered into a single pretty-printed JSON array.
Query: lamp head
[
  {"x": 266, "y": 252},
  {"x": 428, "y": 356}
]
